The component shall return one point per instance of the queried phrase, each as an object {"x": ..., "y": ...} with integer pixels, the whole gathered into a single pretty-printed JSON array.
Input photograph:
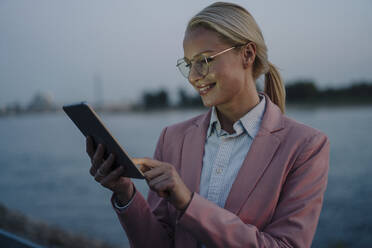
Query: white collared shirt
[{"x": 224, "y": 153}]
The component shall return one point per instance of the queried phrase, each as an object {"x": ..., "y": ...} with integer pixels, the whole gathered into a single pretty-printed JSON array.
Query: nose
[{"x": 194, "y": 76}]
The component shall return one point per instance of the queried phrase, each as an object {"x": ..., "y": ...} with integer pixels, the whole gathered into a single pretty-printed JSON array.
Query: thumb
[
  {"x": 145, "y": 164},
  {"x": 144, "y": 168}
]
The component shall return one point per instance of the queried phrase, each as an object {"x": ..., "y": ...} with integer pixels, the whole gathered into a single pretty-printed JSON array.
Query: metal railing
[{"x": 9, "y": 240}]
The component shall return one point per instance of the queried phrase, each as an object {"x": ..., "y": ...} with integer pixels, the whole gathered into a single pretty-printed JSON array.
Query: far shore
[{"x": 140, "y": 109}]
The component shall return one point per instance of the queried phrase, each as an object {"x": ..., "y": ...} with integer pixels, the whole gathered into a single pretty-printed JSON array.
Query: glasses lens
[
  {"x": 183, "y": 67},
  {"x": 200, "y": 65}
]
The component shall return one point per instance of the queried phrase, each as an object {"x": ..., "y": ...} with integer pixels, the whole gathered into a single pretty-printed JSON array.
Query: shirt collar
[
  {"x": 214, "y": 123},
  {"x": 249, "y": 123}
]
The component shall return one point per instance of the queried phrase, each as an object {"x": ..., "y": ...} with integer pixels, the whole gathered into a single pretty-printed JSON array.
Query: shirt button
[{"x": 218, "y": 170}]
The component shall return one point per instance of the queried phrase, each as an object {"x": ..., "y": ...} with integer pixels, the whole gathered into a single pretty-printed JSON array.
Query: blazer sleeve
[
  {"x": 295, "y": 218},
  {"x": 147, "y": 223}
]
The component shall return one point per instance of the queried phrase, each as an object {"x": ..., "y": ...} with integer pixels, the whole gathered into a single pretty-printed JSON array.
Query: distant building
[{"x": 41, "y": 102}]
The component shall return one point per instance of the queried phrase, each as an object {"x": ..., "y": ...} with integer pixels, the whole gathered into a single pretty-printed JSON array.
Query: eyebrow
[{"x": 198, "y": 54}]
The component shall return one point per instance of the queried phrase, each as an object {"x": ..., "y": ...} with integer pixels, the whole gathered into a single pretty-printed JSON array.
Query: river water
[{"x": 44, "y": 170}]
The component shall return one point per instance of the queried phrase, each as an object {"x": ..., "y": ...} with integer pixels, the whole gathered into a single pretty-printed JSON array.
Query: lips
[{"x": 205, "y": 88}]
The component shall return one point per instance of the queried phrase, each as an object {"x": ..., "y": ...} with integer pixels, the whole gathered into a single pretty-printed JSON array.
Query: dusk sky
[{"x": 59, "y": 47}]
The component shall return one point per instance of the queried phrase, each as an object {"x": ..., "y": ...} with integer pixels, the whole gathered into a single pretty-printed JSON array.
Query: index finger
[{"x": 146, "y": 163}]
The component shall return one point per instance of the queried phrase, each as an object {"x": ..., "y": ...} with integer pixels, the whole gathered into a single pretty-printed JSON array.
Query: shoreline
[
  {"x": 108, "y": 110},
  {"x": 43, "y": 234}
]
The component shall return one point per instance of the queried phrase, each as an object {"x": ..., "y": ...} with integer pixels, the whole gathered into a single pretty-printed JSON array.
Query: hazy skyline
[{"x": 61, "y": 46}]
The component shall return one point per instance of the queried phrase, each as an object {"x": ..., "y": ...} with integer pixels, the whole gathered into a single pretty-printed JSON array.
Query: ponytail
[{"x": 274, "y": 87}]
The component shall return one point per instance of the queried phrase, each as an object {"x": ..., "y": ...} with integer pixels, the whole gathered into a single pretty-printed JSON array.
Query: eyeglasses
[{"x": 201, "y": 63}]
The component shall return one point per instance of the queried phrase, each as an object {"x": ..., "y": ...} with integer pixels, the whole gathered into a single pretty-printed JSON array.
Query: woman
[{"x": 241, "y": 175}]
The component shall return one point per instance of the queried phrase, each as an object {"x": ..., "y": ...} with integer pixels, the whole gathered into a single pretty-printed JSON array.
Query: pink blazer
[{"x": 275, "y": 200}]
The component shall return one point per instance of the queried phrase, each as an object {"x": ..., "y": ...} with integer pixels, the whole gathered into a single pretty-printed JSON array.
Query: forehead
[{"x": 200, "y": 40}]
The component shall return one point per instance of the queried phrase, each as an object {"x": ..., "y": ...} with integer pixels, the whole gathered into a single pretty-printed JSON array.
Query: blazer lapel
[
  {"x": 255, "y": 164},
  {"x": 193, "y": 151},
  {"x": 258, "y": 158}
]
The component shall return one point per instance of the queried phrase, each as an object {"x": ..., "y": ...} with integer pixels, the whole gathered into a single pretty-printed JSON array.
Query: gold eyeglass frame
[{"x": 206, "y": 58}]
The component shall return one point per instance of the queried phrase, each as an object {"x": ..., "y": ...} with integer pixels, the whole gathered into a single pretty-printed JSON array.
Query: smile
[{"x": 204, "y": 89}]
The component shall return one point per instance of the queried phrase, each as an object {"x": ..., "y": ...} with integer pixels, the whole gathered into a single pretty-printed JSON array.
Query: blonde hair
[{"x": 235, "y": 25}]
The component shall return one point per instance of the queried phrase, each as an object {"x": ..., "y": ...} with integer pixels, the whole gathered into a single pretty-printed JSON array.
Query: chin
[
  {"x": 209, "y": 102},
  {"x": 208, "y": 105}
]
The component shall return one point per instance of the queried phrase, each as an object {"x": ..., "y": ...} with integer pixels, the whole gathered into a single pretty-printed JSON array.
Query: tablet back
[{"x": 91, "y": 125}]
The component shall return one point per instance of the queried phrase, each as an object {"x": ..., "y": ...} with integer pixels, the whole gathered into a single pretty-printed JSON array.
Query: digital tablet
[{"x": 89, "y": 123}]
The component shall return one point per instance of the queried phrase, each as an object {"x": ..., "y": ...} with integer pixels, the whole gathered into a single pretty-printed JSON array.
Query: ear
[{"x": 248, "y": 54}]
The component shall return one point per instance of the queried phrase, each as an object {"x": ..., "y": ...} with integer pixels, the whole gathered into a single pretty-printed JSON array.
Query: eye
[
  {"x": 205, "y": 60},
  {"x": 209, "y": 60}
]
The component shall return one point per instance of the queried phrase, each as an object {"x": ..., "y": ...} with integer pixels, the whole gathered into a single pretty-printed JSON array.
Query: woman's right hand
[{"x": 111, "y": 179}]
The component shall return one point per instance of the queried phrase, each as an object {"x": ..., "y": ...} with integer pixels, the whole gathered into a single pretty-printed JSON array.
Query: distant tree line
[
  {"x": 160, "y": 100},
  {"x": 306, "y": 91},
  {"x": 300, "y": 91},
  {"x": 156, "y": 100}
]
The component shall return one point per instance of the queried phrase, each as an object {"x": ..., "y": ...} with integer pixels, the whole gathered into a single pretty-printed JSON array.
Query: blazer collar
[{"x": 273, "y": 118}]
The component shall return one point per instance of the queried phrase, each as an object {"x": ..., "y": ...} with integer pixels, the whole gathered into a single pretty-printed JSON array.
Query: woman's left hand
[{"x": 164, "y": 180}]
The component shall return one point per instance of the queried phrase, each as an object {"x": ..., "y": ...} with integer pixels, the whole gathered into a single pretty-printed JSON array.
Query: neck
[{"x": 228, "y": 114}]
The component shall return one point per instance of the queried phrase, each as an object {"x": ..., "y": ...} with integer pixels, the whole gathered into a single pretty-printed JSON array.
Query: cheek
[
  {"x": 229, "y": 80},
  {"x": 229, "y": 72}
]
